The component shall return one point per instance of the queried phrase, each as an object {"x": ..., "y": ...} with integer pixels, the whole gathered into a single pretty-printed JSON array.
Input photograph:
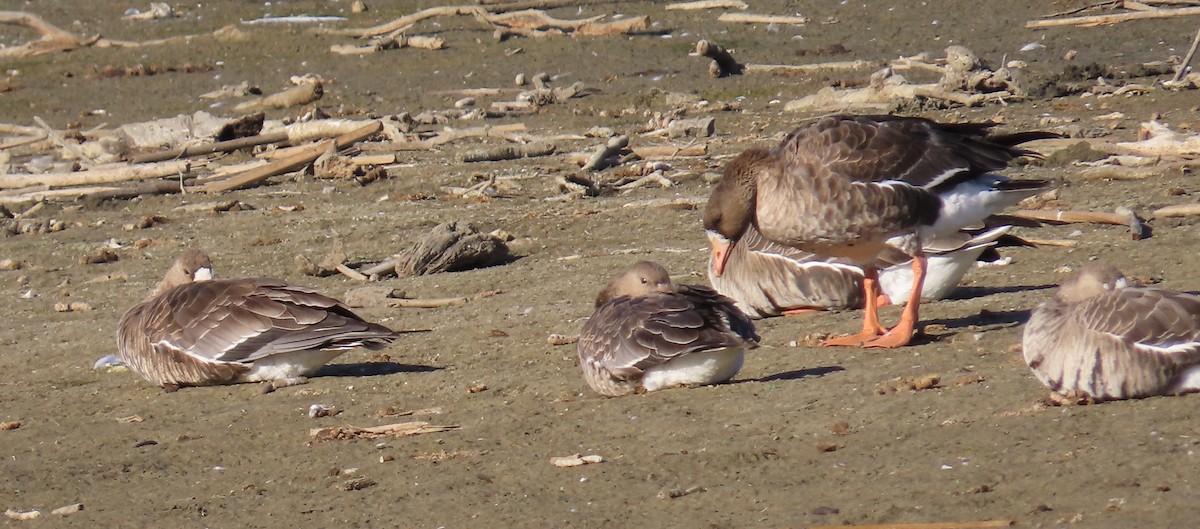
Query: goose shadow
[
  {"x": 1001, "y": 319},
  {"x": 372, "y": 369},
  {"x": 798, "y": 374},
  {"x": 965, "y": 293}
]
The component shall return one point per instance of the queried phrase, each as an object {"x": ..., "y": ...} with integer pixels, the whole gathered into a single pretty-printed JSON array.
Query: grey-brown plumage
[
  {"x": 1102, "y": 338},
  {"x": 195, "y": 331},
  {"x": 849, "y": 186},
  {"x": 768, "y": 279},
  {"x": 648, "y": 334}
]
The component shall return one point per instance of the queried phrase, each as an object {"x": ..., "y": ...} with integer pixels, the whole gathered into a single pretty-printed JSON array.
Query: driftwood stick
[
  {"x": 301, "y": 94},
  {"x": 351, "y": 273},
  {"x": 1074, "y": 217},
  {"x": 707, "y": 4},
  {"x": 293, "y": 162},
  {"x": 72, "y": 193},
  {"x": 408, "y": 20},
  {"x": 53, "y": 38},
  {"x": 1187, "y": 59},
  {"x": 1104, "y": 20},
  {"x": 723, "y": 62},
  {"x": 808, "y": 68},
  {"x": 1178, "y": 210},
  {"x": 612, "y": 148},
  {"x": 986, "y": 524},
  {"x": 62, "y": 142},
  {"x": 24, "y": 141},
  {"x": 507, "y": 152},
  {"x": 105, "y": 175},
  {"x": 670, "y": 151},
  {"x": 748, "y": 18},
  {"x": 220, "y": 146}
]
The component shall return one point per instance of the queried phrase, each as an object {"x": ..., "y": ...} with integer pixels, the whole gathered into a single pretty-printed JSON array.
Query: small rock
[
  {"x": 358, "y": 7},
  {"x": 575, "y": 460},
  {"x": 825, "y": 511},
  {"x": 68, "y": 509},
  {"x": 10, "y": 264},
  {"x": 359, "y": 483},
  {"x": 9, "y": 425}
]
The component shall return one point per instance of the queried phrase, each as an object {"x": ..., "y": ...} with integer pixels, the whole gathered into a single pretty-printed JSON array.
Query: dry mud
[{"x": 803, "y": 435}]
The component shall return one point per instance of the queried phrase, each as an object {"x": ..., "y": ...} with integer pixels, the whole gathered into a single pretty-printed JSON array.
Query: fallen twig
[
  {"x": 304, "y": 93},
  {"x": 1178, "y": 210},
  {"x": 707, "y": 4},
  {"x": 599, "y": 159},
  {"x": 986, "y": 524},
  {"x": 293, "y": 162},
  {"x": 748, "y": 18},
  {"x": 220, "y": 146},
  {"x": 98, "y": 175},
  {"x": 723, "y": 64},
  {"x": 401, "y": 429},
  {"x": 1104, "y": 20}
]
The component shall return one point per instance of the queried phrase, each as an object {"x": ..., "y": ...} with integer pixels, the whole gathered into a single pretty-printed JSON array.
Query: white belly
[
  {"x": 709, "y": 367},
  {"x": 289, "y": 366}
]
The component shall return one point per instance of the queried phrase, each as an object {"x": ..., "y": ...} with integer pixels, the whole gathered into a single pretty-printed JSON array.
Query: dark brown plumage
[
  {"x": 648, "y": 334},
  {"x": 193, "y": 331},
  {"x": 1102, "y": 338},
  {"x": 850, "y": 186}
]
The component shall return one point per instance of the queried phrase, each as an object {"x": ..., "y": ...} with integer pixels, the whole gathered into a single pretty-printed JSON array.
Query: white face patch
[{"x": 203, "y": 274}]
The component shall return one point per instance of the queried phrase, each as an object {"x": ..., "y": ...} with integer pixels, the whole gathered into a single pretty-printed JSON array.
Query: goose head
[
  {"x": 192, "y": 265},
  {"x": 642, "y": 279},
  {"x": 730, "y": 208},
  {"x": 1092, "y": 280}
]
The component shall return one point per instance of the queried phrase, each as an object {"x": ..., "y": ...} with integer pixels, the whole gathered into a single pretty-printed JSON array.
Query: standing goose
[
  {"x": 768, "y": 279},
  {"x": 850, "y": 186},
  {"x": 1101, "y": 338},
  {"x": 649, "y": 334},
  {"x": 196, "y": 331}
]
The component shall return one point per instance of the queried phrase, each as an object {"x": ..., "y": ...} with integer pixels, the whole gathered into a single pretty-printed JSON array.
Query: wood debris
[
  {"x": 13, "y": 514},
  {"x": 575, "y": 460},
  {"x": 964, "y": 80},
  {"x": 723, "y": 64},
  {"x": 1115, "y": 18},
  {"x": 389, "y": 431},
  {"x": 449, "y": 247}
]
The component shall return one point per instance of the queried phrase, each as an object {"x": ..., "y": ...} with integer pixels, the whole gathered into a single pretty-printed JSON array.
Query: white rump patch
[{"x": 288, "y": 365}]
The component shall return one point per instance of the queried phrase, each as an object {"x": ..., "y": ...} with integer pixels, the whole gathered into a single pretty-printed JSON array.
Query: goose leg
[
  {"x": 871, "y": 328},
  {"x": 902, "y": 333}
]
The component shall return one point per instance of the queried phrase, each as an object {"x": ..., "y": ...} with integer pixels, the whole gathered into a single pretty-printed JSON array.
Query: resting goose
[
  {"x": 768, "y": 279},
  {"x": 1102, "y": 338},
  {"x": 850, "y": 186},
  {"x": 195, "y": 331},
  {"x": 648, "y": 334}
]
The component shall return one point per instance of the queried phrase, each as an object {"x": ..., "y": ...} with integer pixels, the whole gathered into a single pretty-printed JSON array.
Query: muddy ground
[{"x": 803, "y": 435}]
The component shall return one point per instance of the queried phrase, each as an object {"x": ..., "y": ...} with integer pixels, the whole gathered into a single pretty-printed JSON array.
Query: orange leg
[
  {"x": 871, "y": 328},
  {"x": 794, "y": 312},
  {"x": 902, "y": 333}
]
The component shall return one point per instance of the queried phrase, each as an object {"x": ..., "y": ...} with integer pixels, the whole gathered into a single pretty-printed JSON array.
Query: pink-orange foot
[
  {"x": 854, "y": 340},
  {"x": 796, "y": 312}
]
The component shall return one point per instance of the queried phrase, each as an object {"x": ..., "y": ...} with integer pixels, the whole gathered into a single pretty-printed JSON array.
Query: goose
[
  {"x": 194, "y": 330},
  {"x": 850, "y": 186},
  {"x": 648, "y": 334},
  {"x": 1101, "y": 338},
  {"x": 768, "y": 279}
]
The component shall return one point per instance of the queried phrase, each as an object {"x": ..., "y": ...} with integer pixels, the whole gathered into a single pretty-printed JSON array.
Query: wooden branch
[
  {"x": 301, "y": 94},
  {"x": 538, "y": 20},
  {"x": 748, "y": 18},
  {"x": 809, "y": 68},
  {"x": 220, "y": 146},
  {"x": 598, "y": 160},
  {"x": 1178, "y": 210},
  {"x": 507, "y": 152},
  {"x": 1187, "y": 60},
  {"x": 293, "y": 162},
  {"x": 53, "y": 38},
  {"x": 408, "y": 20},
  {"x": 986, "y": 524},
  {"x": 72, "y": 193},
  {"x": 670, "y": 151},
  {"x": 1073, "y": 217},
  {"x": 1103, "y": 20},
  {"x": 723, "y": 62},
  {"x": 707, "y": 4},
  {"x": 105, "y": 175}
]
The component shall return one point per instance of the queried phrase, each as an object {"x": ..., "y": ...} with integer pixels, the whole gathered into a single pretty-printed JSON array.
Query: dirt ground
[{"x": 802, "y": 437}]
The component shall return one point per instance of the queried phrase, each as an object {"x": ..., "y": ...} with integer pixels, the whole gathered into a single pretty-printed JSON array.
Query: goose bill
[{"x": 721, "y": 248}]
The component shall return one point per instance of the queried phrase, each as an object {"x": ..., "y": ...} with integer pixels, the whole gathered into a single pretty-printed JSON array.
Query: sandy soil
[{"x": 802, "y": 437}]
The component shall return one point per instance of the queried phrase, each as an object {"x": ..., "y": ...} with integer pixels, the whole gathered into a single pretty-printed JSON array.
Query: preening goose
[
  {"x": 1102, "y": 338},
  {"x": 768, "y": 279},
  {"x": 850, "y": 186},
  {"x": 194, "y": 330},
  {"x": 648, "y": 334}
]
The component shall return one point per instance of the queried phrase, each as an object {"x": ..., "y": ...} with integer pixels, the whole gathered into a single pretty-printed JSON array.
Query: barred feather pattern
[
  {"x": 212, "y": 332},
  {"x": 1121, "y": 343},
  {"x": 630, "y": 335}
]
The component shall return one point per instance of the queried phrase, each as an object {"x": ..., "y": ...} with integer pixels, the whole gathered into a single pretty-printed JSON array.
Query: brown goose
[
  {"x": 649, "y": 334},
  {"x": 1101, "y": 338},
  {"x": 850, "y": 186},
  {"x": 768, "y": 279},
  {"x": 194, "y": 330}
]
